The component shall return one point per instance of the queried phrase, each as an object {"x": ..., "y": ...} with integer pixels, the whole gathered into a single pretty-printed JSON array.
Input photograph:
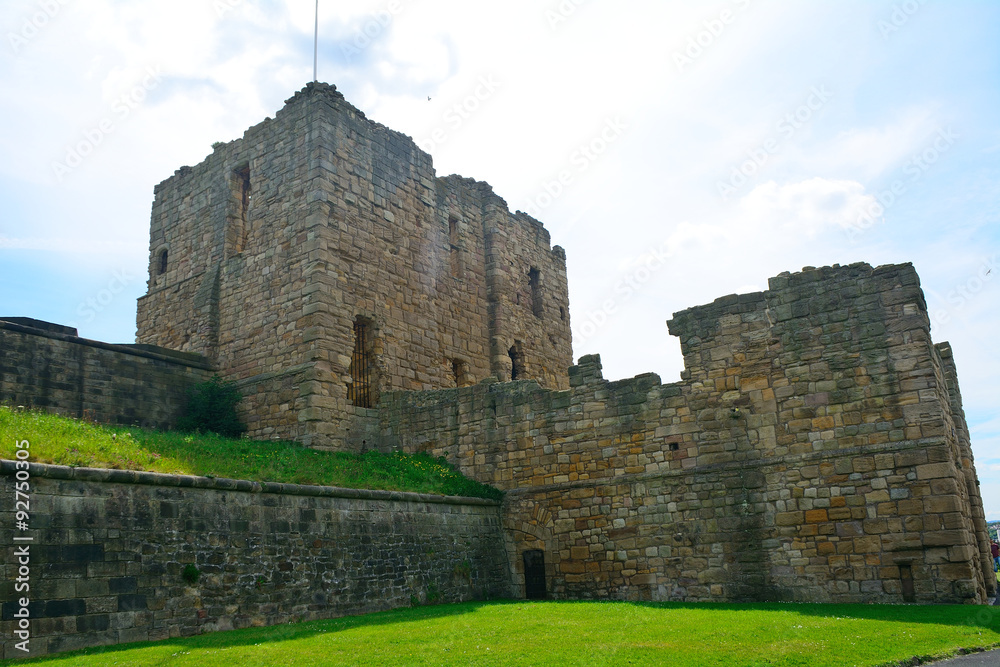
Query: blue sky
[{"x": 734, "y": 139}]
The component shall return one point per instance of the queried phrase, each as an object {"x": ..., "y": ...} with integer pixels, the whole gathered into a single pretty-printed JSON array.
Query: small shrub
[
  {"x": 464, "y": 569},
  {"x": 191, "y": 574},
  {"x": 211, "y": 406}
]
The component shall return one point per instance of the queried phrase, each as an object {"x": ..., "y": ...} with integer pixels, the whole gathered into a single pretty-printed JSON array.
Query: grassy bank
[
  {"x": 586, "y": 633},
  {"x": 70, "y": 442}
]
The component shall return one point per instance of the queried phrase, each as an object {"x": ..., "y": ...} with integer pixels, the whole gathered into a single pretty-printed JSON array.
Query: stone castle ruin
[{"x": 815, "y": 448}]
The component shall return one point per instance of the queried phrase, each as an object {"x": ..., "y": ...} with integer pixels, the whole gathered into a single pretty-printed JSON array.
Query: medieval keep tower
[{"x": 319, "y": 262}]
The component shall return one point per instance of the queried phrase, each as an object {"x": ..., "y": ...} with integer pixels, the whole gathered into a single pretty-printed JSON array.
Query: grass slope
[
  {"x": 70, "y": 442},
  {"x": 585, "y": 633}
]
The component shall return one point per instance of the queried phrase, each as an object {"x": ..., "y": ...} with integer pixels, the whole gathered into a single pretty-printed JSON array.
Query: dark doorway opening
[
  {"x": 534, "y": 574},
  {"x": 906, "y": 582}
]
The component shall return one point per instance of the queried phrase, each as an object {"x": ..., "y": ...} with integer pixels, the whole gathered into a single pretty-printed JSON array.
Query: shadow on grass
[
  {"x": 979, "y": 616},
  {"x": 282, "y": 632}
]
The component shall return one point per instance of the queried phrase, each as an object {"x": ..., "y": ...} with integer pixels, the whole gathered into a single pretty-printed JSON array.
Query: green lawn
[
  {"x": 71, "y": 442},
  {"x": 585, "y": 633}
]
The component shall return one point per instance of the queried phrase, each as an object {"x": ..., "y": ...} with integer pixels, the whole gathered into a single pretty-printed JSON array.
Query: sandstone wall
[
  {"x": 809, "y": 453},
  {"x": 110, "y": 548},
  {"x": 49, "y": 367},
  {"x": 345, "y": 218}
]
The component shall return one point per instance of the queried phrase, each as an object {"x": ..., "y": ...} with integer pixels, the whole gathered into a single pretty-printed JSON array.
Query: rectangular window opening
[
  {"x": 361, "y": 391},
  {"x": 455, "y": 247},
  {"x": 458, "y": 370},
  {"x": 535, "y": 282},
  {"x": 243, "y": 198}
]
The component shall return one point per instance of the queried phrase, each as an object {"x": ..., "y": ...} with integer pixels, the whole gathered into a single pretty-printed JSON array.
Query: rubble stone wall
[{"x": 814, "y": 450}]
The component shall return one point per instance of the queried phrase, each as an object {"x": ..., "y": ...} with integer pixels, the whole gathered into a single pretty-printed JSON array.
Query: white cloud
[
  {"x": 871, "y": 152},
  {"x": 808, "y": 207}
]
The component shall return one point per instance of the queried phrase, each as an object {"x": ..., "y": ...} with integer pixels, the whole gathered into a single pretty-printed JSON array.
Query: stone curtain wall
[
  {"x": 812, "y": 451},
  {"x": 49, "y": 367},
  {"x": 110, "y": 549},
  {"x": 346, "y": 218}
]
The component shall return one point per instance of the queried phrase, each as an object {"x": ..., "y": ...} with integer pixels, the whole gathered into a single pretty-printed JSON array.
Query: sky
[{"x": 678, "y": 151}]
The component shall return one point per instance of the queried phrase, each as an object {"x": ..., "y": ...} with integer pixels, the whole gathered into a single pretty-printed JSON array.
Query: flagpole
[{"x": 316, "y": 45}]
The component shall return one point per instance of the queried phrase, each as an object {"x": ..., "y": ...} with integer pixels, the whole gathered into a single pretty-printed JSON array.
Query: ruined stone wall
[
  {"x": 807, "y": 454},
  {"x": 48, "y": 367},
  {"x": 346, "y": 219},
  {"x": 110, "y": 547}
]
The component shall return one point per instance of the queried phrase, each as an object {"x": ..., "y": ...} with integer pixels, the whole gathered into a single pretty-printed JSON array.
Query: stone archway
[{"x": 528, "y": 530}]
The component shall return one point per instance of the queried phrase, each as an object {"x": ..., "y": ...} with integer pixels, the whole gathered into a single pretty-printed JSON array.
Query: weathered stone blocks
[{"x": 267, "y": 554}]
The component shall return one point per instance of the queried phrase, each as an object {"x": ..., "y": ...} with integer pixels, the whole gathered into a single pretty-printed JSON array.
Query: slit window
[
  {"x": 361, "y": 391},
  {"x": 243, "y": 196},
  {"x": 455, "y": 247},
  {"x": 162, "y": 262},
  {"x": 535, "y": 282}
]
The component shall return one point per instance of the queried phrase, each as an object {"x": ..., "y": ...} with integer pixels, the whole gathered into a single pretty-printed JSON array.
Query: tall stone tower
[{"x": 319, "y": 262}]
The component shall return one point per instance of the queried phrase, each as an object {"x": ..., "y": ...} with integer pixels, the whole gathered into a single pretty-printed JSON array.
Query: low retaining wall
[
  {"x": 110, "y": 547},
  {"x": 49, "y": 367}
]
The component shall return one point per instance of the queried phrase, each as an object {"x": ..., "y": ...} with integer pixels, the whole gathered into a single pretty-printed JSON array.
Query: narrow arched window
[
  {"x": 162, "y": 263},
  {"x": 516, "y": 361}
]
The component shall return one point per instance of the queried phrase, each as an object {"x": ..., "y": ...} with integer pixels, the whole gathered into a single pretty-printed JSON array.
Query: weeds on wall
[
  {"x": 211, "y": 407},
  {"x": 191, "y": 574}
]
